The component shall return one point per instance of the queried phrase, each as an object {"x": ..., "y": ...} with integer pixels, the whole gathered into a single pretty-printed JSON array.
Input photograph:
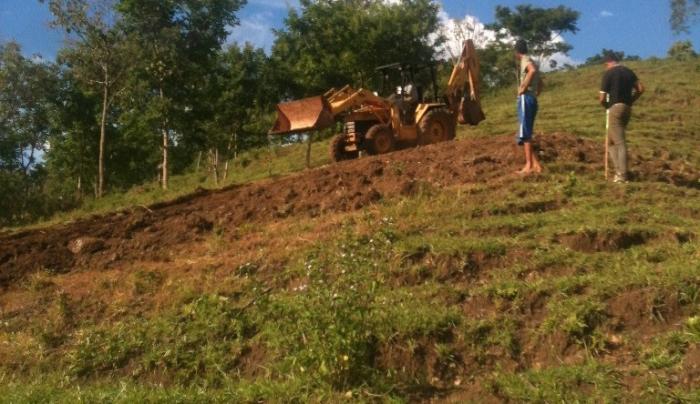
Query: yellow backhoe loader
[{"x": 379, "y": 125}]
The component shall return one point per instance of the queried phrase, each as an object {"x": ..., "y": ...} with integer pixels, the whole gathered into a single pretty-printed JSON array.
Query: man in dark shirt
[{"x": 619, "y": 90}]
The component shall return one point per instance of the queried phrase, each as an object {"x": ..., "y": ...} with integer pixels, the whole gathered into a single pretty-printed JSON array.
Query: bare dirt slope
[{"x": 153, "y": 232}]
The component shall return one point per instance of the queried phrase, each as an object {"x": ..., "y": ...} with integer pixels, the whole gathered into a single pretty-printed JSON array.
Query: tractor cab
[{"x": 404, "y": 86}]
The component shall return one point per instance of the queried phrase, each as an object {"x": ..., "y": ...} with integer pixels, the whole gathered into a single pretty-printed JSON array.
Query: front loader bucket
[{"x": 308, "y": 114}]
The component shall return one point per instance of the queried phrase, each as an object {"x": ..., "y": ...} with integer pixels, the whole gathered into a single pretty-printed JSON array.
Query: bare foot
[
  {"x": 524, "y": 171},
  {"x": 537, "y": 169}
]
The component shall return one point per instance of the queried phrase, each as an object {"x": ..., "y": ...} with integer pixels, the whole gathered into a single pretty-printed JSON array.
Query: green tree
[
  {"x": 683, "y": 12},
  {"x": 497, "y": 65},
  {"x": 97, "y": 54},
  {"x": 329, "y": 43},
  {"x": 71, "y": 166},
  {"x": 542, "y": 28},
  {"x": 682, "y": 50},
  {"x": 600, "y": 57},
  {"x": 244, "y": 92},
  {"x": 27, "y": 90},
  {"x": 177, "y": 44}
]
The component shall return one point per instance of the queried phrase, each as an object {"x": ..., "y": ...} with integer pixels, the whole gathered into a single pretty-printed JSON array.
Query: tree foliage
[
  {"x": 331, "y": 43},
  {"x": 682, "y": 50},
  {"x": 540, "y": 27},
  {"x": 176, "y": 47},
  {"x": 600, "y": 57},
  {"x": 498, "y": 68},
  {"x": 683, "y": 12},
  {"x": 27, "y": 92},
  {"x": 96, "y": 54}
]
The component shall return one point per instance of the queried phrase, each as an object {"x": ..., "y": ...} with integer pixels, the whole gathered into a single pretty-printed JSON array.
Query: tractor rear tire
[
  {"x": 338, "y": 152},
  {"x": 436, "y": 126},
  {"x": 379, "y": 140}
]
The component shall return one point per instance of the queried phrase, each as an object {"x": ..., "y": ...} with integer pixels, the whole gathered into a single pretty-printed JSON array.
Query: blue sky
[{"x": 635, "y": 26}]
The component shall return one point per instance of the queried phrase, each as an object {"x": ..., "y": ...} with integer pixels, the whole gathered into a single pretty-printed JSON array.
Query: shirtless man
[{"x": 529, "y": 88}]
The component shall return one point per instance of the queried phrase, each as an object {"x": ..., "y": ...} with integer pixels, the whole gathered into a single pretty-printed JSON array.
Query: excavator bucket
[{"x": 303, "y": 115}]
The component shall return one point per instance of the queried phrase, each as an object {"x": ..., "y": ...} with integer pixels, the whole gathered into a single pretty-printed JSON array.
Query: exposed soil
[
  {"x": 644, "y": 310},
  {"x": 155, "y": 233},
  {"x": 610, "y": 240}
]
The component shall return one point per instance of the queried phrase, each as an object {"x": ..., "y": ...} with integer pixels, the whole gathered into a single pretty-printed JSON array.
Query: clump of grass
[
  {"x": 198, "y": 344},
  {"x": 146, "y": 281},
  {"x": 665, "y": 351},
  {"x": 590, "y": 382},
  {"x": 577, "y": 317},
  {"x": 39, "y": 281},
  {"x": 58, "y": 321},
  {"x": 331, "y": 330},
  {"x": 480, "y": 335},
  {"x": 692, "y": 328}
]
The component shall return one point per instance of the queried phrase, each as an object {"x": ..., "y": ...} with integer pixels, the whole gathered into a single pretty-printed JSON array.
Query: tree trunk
[
  {"x": 199, "y": 159},
  {"x": 164, "y": 130},
  {"x": 103, "y": 134},
  {"x": 164, "y": 175},
  {"x": 235, "y": 145},
  {"x": 272, "y": 151},
  {"x": 231, "y": 143},
  {"x": 310, "y": 139},
  {"x": 215, "y": 165}
]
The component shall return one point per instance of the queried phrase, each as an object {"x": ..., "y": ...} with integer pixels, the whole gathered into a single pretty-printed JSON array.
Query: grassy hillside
[
  {"x": 668, "y": 117},
  {"x": 552, "y": 288}
]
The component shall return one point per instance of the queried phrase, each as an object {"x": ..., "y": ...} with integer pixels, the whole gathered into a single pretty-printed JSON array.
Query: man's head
[
  {"x": 610, "y": 59},
  {"x": 520, "y": 48}
]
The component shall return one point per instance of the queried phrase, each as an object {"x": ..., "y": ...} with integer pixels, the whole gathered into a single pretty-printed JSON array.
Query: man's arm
[
  {"x": 604, "y": 90},
  {"x": 638, "y": 91},
  {"x": 531, "y": 70}
]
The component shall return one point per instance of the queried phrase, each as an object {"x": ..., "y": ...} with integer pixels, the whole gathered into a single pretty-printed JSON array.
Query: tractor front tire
[
  {"x": 379, "y": 140},
  {"x": 436, "y": 126},
  {"x": 338, "y": 152}
]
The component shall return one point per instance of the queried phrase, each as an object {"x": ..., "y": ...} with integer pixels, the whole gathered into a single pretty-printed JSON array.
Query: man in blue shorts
[{"x": 529, "y": 88}]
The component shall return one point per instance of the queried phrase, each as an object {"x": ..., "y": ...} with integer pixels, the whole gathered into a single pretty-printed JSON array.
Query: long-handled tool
[{"x": 607, "y": 129}]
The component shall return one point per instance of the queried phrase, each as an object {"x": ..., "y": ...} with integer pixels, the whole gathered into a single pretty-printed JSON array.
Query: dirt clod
[{"x": 86, "y": 245}]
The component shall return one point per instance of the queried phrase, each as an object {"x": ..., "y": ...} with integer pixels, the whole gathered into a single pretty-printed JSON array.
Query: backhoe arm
[{"x": 465, "y": 71}]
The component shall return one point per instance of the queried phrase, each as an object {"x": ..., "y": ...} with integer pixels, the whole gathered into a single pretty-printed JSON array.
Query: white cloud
[
  {"x": 256, "y": 29},
  {"x": 561, "y": 61},
  {"x": 606, "y": 14},
  {"x": 560, "y": 58},
  {"x": 457, "y": 31}
]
